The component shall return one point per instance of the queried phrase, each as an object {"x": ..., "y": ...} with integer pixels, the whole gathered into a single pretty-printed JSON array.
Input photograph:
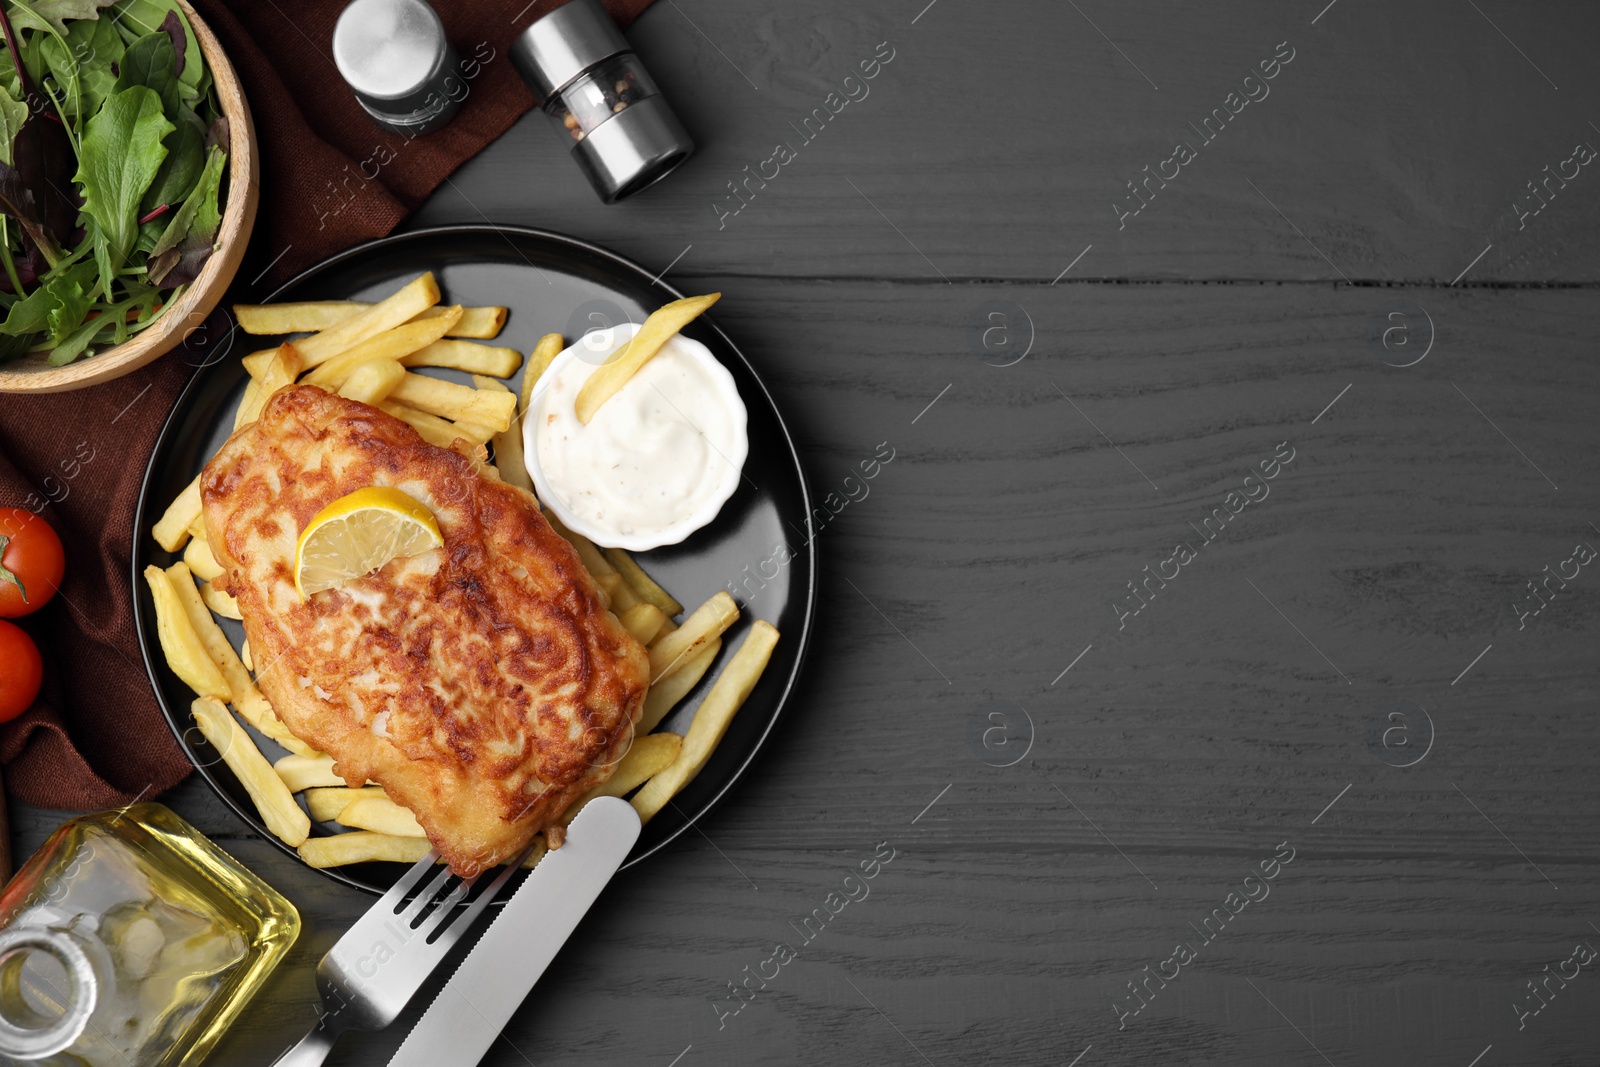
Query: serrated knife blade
[{"x": 474, "y": 1006}]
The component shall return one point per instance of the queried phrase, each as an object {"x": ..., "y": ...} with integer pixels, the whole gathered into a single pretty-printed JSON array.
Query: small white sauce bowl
[{"x": 595, "y": 348}]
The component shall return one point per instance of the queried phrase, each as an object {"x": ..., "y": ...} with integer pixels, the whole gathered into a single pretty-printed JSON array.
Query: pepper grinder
[
  {"x": 584, "y": 76},
  {"x": 397, "y": 60}
]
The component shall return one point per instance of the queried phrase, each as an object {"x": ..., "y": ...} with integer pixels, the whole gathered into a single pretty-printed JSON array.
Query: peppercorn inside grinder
[{"x": 584, "y": 76}]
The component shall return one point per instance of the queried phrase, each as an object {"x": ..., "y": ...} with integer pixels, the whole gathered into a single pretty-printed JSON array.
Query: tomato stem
[{"x": 7, "y": 576}]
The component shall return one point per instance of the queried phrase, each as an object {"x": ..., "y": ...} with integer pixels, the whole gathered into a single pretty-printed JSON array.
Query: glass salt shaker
[
  {"x": 130, "y": 940},
  {"x": 584, "y": 75}
]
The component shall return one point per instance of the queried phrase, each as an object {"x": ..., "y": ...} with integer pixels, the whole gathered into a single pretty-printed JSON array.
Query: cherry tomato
[
  {"x": 21, "y": 671},
  {"x": 31, "y": 562}
]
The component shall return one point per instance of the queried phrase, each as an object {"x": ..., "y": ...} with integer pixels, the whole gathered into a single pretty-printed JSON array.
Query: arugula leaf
[
  {"x": 185, "y": 159},
  {"x": 29, "y": 315},
  {"x": 13, "y": 113},
  {"x": 71, "y": 348},
  {"x": 174, "y": 28},
  {"x": 81, "y": 64},
  {"x": 56, "y": 304},
  {"x": 198, "y": 216},
  {"x": 51, "y": 14},
  {"x": 139, "y": 17},
  {"x": 71, "y": 305},
  {"x": 33, "y": 187},
  {"x": 118, "y": 159},
  {"x": 150, "y": 61},
  {"x": 181, "y": 264}
]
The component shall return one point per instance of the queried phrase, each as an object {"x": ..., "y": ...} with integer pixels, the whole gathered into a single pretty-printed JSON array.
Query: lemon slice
[{"x": 357, "y": 534}]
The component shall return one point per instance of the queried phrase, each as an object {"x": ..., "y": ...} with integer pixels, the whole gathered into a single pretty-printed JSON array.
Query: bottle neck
[{"x": 48, "y": 990}]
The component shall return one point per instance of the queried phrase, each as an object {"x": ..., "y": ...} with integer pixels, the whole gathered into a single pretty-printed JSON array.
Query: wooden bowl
[{"x": 31, "y": 374}]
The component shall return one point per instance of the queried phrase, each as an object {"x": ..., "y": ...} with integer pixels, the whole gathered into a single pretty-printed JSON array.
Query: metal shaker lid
[
  {"x": 563, "y": 44},
  {"x": 394, "y": 55}
]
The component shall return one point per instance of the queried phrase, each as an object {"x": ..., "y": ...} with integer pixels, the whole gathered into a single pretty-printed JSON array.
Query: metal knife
[{"x": 469, "y": 1013}]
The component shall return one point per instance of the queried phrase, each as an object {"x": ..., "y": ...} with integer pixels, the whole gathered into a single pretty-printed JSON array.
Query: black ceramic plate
[{"x": 551, "y": 283}]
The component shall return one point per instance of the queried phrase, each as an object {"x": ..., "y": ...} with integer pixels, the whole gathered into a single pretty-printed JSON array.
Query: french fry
[
  {"x": 269, "y": 320},
  {"x": 507, "y": 444},
  {"x": 492, "y": 360},
  {"x": 481, "y": 323},
  {"x": 619, "y": 591},
  {"x": 172, "y": 531},
  {"x": 313, "y": 315},
  {"x": 381, "y": 815},
  {"x": 304, "y": 771},
  {"x": 270, "y": 370},
  {"x": 200, "y": 560},
  {"x": 461, "y": 403},
  {"x": 390, "y": 344},
  {"x": 260, "y": 364},
  {"x": 408, "y": 302},
  {"x": 666, "y": 628},
  {"x": 594, "y": 561},
  {"x": 649, "y": 756},
  {"x": 362, "y": 846},
  {"x": 244, "y": 656},
  {"x": 197, "y": 525},
  {"x": 711, "y": 719},
  {"x": 221, "y": 603},
  {"x": 619, "y": 596},
  {"x": 249, "y": 405},
  {"x": 661, "y": 699},
  {"x": 539, "y": 360},
  {"x": 434, "y": 430},
  {"x": 372, "y": 381},
  {"x": 240, "y": 690},
  {"x": 709, "y": 620},
  {"x": 662, "y": 325},
  {"x": 183, "y": 648},
  {"x": 272, "y": 798},
  {"x": 642, "y": 583},
  {"x": 642, "y": 621},
  {"x": 326, "y": 802}
]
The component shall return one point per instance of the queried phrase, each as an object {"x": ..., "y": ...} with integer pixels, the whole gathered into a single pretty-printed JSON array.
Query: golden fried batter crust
[{"x": 483, "y": 684}]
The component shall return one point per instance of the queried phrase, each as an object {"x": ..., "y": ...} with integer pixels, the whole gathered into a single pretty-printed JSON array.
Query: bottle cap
[
  {"x": 637, "y": 140},
  {"x": 396, "y": 58}
]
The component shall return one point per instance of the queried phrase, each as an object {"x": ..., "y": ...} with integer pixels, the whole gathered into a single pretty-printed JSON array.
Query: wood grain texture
[
  {"x": 998, "y": 138},
  {"x": 1185, "y": 746},
  {"x": 1050, "y": 442}
]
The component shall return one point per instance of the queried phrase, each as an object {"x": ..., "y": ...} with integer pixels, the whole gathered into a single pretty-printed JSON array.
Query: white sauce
[{"x": 657, "y": 461}]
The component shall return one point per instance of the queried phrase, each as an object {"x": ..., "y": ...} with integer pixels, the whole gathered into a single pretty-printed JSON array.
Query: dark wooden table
[{"x": 1085, "y": 688}]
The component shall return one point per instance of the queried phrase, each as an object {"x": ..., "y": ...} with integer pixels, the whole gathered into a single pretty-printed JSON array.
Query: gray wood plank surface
[
  {"x": 1395, "y": 145},
  {"x": 1349, "y": 666},
  {"x": 1181, "y": 748}
]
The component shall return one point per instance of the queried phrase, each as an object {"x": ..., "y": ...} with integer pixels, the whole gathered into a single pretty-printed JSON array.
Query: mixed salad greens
[{"x": 112, "y": 150}]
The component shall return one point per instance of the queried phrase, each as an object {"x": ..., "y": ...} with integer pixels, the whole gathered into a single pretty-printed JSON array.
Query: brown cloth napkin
[{"x": 330, "y": 179}]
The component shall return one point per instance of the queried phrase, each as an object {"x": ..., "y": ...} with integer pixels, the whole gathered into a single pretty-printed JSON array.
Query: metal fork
[{"x": 368, "y": 976}]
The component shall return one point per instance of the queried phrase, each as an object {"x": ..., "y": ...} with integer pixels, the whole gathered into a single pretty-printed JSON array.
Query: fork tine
[
  {"x": 473, "y": 910},
  {"x": 446, "y": 906},
  {"x": 423, "y": 897},
  {"x": 408, "y": 881}
]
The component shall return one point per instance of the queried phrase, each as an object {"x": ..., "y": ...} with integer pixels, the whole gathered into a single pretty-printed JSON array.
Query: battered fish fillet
[{"x": 483, "y": 684}]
